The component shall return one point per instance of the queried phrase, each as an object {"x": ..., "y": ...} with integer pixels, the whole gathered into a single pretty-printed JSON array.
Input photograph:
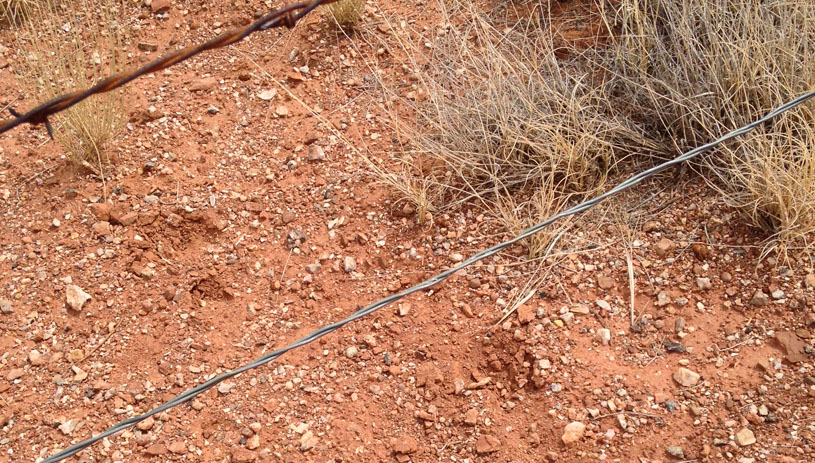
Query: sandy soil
[{"x": 186, "y": 252}]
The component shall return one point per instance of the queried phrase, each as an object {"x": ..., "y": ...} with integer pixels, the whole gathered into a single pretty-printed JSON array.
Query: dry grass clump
[
  {"x": 692, "y": 71},
  {"x": 346, "y": 13},
  {"x": 15, "y": 11},
  {"x": 507, "y": 125},
  {"x": 69, "y": 45}
]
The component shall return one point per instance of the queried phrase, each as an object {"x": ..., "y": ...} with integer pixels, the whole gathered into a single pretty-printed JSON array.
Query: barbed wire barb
[{"x": 287, "y": 16}]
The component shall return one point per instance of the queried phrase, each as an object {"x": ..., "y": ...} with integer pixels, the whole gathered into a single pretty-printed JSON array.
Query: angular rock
[
  {"x": 101, "y": 211},
  {"x": 664, "y": 247},
  {"x": 663, "y": 299},
  {"x": 471, "y": 417},
  {"x": 793, "y": 346},
  {"x": 745, "y": 437},
  {"x": 487, "y": 443},
  {"x": 605, "y": 282},
  {"x": 177, "y": 447},
  {"x": 685, "y": 377},
  {"x": 156, "y": 450},
  {"x": 295, "y": 238},
  {"x": 101, "y": 228},
  {"x": 144, "y": 271},
  {"x": 809, "y": 281},
  {"x": 314, "y": 268},
  {"x": 349, "y": 264},
  {"x": 225, "y": 388},
  {"x": 122, "y": 216},
  {"x": 604, "y": 336},
  {"x": 679, "y": 325},
  {"x": 581, "y": 309},
  {"x": 676, "y": 451},
  {"x": 69, "y": 426},
  {"x": 147, "y": 46},
  {"x": 75, "y": 297},
  {"x": 526, "y": 313},
  {"x": 315, "y": 153},
  {"x": 759, "y": 299},
  {"x": 6, "y": 306},
  {"x": 308, "y": 441},
  {"x": 36, "y": 358}
]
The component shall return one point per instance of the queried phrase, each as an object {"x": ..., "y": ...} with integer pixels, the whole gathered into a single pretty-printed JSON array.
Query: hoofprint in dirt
[{"x": 237, "y": 220}]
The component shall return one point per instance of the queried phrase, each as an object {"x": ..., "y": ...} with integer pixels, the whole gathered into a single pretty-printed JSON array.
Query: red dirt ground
[{"x": 184, "y": 252}]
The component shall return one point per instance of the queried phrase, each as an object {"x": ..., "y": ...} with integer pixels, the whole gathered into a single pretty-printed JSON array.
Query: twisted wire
[
  {"x": 286, "y": 16},
  {"x": 371, "y": 308}
]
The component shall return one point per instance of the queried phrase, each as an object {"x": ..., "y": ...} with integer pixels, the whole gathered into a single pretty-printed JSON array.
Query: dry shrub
[
  {"x": 507, "y": 125},
  {"x": 67, "y": 46},
  {"x": 692, "y": 71},
  {"x": 346, "y": 13}
]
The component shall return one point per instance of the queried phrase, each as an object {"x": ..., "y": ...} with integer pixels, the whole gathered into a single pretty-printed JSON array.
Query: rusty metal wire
[{"x": 286, "y": 16}]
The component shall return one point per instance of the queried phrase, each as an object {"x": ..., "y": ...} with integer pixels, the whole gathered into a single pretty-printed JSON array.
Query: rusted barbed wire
[{"x": 286, "y": 16}]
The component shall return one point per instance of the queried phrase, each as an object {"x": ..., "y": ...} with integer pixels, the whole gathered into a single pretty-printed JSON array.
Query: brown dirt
[{"x": 200, "y": 279}]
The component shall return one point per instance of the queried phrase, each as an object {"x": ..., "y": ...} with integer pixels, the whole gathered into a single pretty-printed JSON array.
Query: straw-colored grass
[
  {"x": 15, "y": 11},
  {"x": 503, "y": 123},
  {"x": 346, "y": 13},
  {"x": 692, "y": 71},
  {"x": 63, "y": 56}
]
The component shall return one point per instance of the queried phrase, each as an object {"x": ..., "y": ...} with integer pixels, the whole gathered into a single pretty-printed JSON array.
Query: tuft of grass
[
  {"x": 505, "y": 124},
  {"x": 69, "y": 45},
  {"x": 691, "y": 71},
  {"x": 346, "y": 13},
  {"x": 16, "y": 11}
]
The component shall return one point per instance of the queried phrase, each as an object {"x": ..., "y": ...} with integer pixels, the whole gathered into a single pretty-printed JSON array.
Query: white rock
[
  {"x": 745, "y": 437},
  {"x": 686, "y": 377},
  {"x": 267, "y": 95},
  {"x": 69, "y": 426},
  {"x": 76, "y": 297},
  {"x": 604, "y": 336},
  {"x": 349, "y": 264},
  {"x": 573, "y": 432}
]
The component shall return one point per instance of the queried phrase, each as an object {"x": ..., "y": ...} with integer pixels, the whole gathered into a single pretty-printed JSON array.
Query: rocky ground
[{"x": 239, "y": 217}]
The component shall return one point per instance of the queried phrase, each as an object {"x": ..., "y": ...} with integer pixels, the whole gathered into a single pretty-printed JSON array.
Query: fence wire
[
  {"x": 286, "y": 16},
  {"x": 365, "y": 311}
]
